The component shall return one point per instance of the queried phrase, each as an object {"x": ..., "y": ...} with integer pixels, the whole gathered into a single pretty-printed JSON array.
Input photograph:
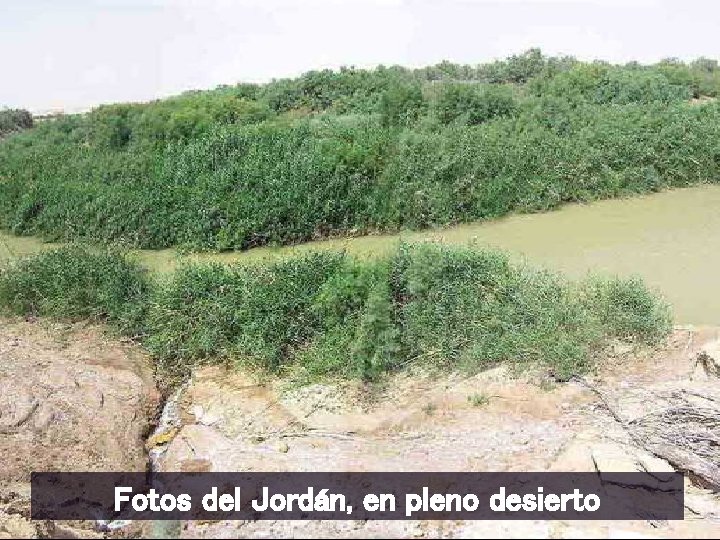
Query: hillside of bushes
[
  {"x": 354, "y": 151},
  {"x": 328, "y": 315}
]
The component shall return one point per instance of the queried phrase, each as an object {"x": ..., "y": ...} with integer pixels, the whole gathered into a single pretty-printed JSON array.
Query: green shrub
[
  {"x": 358, "y": 334},
  {"x": 518, "y": 68},
  {"x": 355, "y": 151},
  {"x": 469, "y": 309},
  {"x": 401, "y": 104},
  {"x": 593, "y": 152},
  {"x": 472, "y": 104},
  {"x": 244, "y": 187},
  {"x": 479, "y": 399},
  {"x": 325, "y": 315},
  {"x": 701, "y": 77},
  {"x": 241, "y": 186},
  {"x": 603, "y": 84},
  {"x": 627, "y": 308},
  {"x": 258, "y": 315},
  {"x": 76, "y": 283},
  {"x": 12, "y": 120},
  {"x": 473, "y": 309}
]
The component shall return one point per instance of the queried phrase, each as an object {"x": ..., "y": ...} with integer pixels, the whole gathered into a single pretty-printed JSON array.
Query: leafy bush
[
  {"x": 256, "y": 314},
  {"x": 241, "y": 186},
  {"x": 603, "y": 84},
  {"x": 473, "y": 309},
  {"x": 354, "y": 151},
  {"x": 76, "y": 283},
  {"x": 401, "y": 105},
  {"x": 326, "y": 315},
  {"x": 518, "y": 68},
  {"x": 461, "y": 307},
  {"x": 182, "y": 118},
  {"x": 358, "y": 335},
  {"x": 471, "y": 104},
  {"x": 701, "y": 77},
  {"x": 12, "y": 120},
  {"x": 477, "y": 172},
  {"x": 627, "y": 308}
]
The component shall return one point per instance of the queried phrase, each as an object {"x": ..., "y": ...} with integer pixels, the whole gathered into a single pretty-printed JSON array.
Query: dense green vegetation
[
  {"x": 75, "y": 283},
  {"x": 13, "y": 120},
  {"x": 356, "y": 151},
  {"x": 327, "y": 315}
]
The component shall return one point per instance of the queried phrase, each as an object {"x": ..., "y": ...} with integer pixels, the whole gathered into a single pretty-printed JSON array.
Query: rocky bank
[{"x": 73, "y": 399}]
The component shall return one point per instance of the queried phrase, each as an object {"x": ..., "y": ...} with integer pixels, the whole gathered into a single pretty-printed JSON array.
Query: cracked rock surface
[
  {"x": 71, "y": 399},
  {"x": 232, "y": 422},
  {"x": 74, "y": 399}
]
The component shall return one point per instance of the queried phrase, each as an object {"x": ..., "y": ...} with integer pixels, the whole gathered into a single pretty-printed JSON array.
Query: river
[{"x": 671, "y": 239}]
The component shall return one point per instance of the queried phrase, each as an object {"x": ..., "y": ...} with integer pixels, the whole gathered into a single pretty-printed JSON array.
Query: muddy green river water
[{"x": 671, "y": 239}]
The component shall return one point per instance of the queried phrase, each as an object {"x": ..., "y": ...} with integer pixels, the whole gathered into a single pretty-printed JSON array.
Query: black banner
[{"x": 427, "y": 496}]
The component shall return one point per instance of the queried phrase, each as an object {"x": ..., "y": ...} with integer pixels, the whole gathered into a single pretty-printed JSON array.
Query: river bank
[
  {"x": 670, "y": 239},
  {"x": 102, "y": 406}
]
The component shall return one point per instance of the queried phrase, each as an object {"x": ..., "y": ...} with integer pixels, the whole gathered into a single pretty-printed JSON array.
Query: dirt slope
[
  {"x": 489, "y": 422},
  {"x": 72, "y": 400}
]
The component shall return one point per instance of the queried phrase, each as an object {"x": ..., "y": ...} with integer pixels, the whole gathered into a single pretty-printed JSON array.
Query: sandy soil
[
  {"x": 70, "y": 399},
  {"x": 489, "y": 422}
]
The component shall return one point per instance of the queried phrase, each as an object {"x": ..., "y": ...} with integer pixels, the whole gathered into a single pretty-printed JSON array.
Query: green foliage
[
  {"x": 479, "y": 399},
  {"x": 348, "y": 90},
  {"x": 258, "y": 314},
  {"x": 603, "y": 84},
  {"x": 347, "y": 152},
  {"x": 241, "y": 186},
  {"x": 237, "y": 187},
  {"x": 326, "y": 315},
  {"x": 701, "y": 77},
  {"x": 75, "y": 283},
  {"x": 401, "y": 104},
  {"x": 470, "y": 309},
  {"x": 245, "y": 187},
  {"x": 182, "y": 118},
  {"x": 354, "y": 151},
  {"x": 517, "y": 69},
  {"x": 12, "y": 120},
  {"x": 472, "y": 104},
  {"x": 520, "y": 68},
  {"x": 627, "y": 308},
  {"x": 358, "y": 335},
  {"x": 461, "y": 307},
  {"x": 485, "y": 171}
]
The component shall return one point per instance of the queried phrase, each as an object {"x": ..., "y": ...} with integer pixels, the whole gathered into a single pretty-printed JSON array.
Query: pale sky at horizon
[{"x": 73, "y": 54}]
